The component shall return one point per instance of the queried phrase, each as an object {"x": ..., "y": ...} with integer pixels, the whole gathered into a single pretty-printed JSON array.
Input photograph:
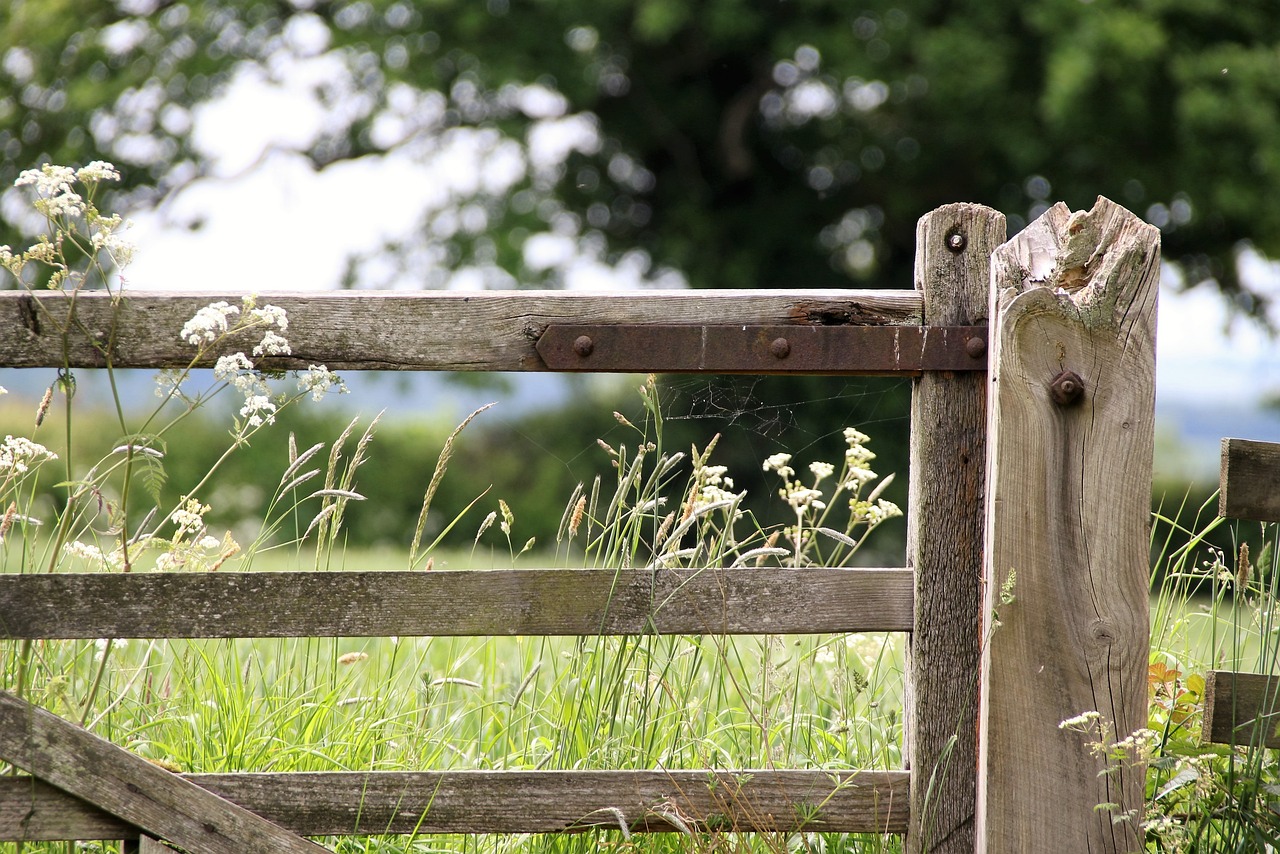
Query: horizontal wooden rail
[
  {"x": 323, "y": 804},
  {"x": 392, "y": 330},
  {"x": 1249, "y": 476},
  {"x": 456, "y": 603},
  {"x": 1237, "y": 706}
]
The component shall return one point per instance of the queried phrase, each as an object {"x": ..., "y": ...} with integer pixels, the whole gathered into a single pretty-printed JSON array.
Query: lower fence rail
[{"x": 393, "y": 802}]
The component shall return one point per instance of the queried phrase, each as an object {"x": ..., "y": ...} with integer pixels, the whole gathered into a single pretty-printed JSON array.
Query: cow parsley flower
[
  {"x": 318, "y": 379},
  {"x": 17, "y": 455},
  {"x": 209, "y": 324}
]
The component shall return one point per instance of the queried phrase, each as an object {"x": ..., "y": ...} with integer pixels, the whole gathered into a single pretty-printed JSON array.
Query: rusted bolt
[
  {"x": 583, "y": 345},
  {"x": 781, "y": 348},
  {"x": 956, "y": 241},
  {"x": 1067, "y": 388},
  {"x": 975, "y": 347}
]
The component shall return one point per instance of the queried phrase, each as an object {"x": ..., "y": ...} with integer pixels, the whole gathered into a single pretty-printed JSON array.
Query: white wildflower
[
  {"x": 857, "y": 477},
  {"x": 169, "y": 382},
  {"x": 821, "y": 471},
  {"x": 86, "y": 551},
  {"x": 189, "y": 516},
  {"x": 1080, "y": 721},
  {"x": 209, "y": 324},
  {"x": 120, "y": 250},
  {"x": 98, "y": 170},
  {"x": 12, "y": 263},
  {"x": 259, "y": 410},
  {"x": 318, "y": 379},
  {"x": 44, "y": 252},
  {"x": 17, "y": 454},
  {"x": 855, "y": 437},
  {"x": 209, "y": 543},
  {"x": 270, "y": 315},
  {"x": 49, "y": 180},
  {"x": 273, "y": 344},
  {"x": 800, "y": 497},
  {"x": 229, "y": 368},
  {"x": 778, "y": 463},
  {"x": 167, "y": 561}
]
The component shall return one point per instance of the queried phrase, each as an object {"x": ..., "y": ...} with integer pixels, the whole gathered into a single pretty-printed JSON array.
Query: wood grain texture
[
  {"x": 1241, "y": 708},
  {"x": 460, "y": 603},
  {"x": 1250, "y": 480},
  {"x": 129, "y": 787},
  {"x": 944, "y": 534},
  {"x": 394, "y": 330},
  {"x": 320, "y": 804},
  {"x": 1068, "y": 499}
]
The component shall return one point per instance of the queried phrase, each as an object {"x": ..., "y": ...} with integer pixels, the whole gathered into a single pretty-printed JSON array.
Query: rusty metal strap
[{"x": 739, "y": 349}]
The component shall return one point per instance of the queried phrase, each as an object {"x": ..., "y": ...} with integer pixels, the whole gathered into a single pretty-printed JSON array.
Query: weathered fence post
[
  {"x": 948, "y": 458},
  {"x": 1072, "y": 390}
]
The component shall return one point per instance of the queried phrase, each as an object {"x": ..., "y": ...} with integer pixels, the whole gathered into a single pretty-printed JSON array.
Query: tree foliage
[{"x": 742, "y": 144}]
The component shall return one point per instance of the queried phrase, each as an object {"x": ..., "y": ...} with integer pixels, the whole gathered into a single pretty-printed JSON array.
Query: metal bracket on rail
[{"x": 748, "y": 349}]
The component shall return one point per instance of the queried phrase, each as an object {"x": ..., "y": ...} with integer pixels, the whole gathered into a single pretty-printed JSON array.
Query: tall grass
[{"x": 1211, "y": 611}]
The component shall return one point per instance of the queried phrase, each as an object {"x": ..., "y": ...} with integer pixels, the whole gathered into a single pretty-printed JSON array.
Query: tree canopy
[{"x": 741, "y": 144}]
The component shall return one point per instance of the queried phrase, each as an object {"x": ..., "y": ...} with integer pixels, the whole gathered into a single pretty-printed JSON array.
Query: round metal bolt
[
  {"x": 956, "y": 241},
  {"x": 1067, "y": 388},
  {"x": 975, "y": 347},
  {"x": 780, "y": 348},
  {"x": 583, "y": 345}
]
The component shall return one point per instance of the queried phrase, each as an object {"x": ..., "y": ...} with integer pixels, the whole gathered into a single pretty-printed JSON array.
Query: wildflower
[
  {"x": 86, "y": 551},
  {"x": 778, "y": 463},
  {"x": 169, "y": 382},
  {"x": 44, "y": 252},
  {"x": 209, "y": 543},
  {"x": 189, "y": 516},
  {"x": 800, "y": 497},
  {"x": 228, "y": 368},
  {"x": 349, "y": 658},
  {"x": 98, "y": 170},
  {"x": 318, "y": 379},
  {"x": 269, "y": 315},
  {"x": 120, "y": 250},
  {"x": 17, "y": 454},
  {"x": 258, "y": 410},
  {"x": 273, "y": 344},
  {"x": 1080, "y": 721},
  {"x": 821, "y": 471},
  {"x": 208, "y": 324}
]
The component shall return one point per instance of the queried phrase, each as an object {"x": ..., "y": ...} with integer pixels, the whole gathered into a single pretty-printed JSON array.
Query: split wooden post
[
  {"x": 948, "y": 459},
  {"x": 1072, "y": 392}
]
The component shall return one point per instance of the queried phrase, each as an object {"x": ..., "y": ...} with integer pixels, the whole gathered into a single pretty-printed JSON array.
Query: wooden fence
[
  {"x": 1244, "y": 708},
  {"x": 1024, "y": 590}
]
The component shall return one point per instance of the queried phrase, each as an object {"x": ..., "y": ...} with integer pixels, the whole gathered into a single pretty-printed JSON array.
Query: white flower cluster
[
  {"x": 17, "y": 455},
  {"x": 57, "y": 199},
  {"x": 799, "y": 496},
  {"x": 94, "y": 555},
  {"x": 209, "y": 324},
  {"x": 856, "y": 457},
  {"x": 318, "y": 379},
  {"x": 712, "y": 485},
  {"x": 189, "y": 517}
]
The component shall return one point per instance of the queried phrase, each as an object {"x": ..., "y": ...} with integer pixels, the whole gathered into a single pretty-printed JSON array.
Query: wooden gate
[{"x": 1029, "y": 485}]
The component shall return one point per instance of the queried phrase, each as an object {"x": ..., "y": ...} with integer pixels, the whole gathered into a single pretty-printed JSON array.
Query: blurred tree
[{"x": 740, "y": 144}]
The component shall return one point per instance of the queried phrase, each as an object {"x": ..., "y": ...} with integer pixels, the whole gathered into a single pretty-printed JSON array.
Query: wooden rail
[
  {"x": 427, "y": 331},
  {"x": 456, "y": 603},
  {"x": 337, "y": 803}
]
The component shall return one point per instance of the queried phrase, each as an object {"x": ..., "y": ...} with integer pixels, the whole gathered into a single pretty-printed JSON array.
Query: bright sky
[{"x": 268, "y": 220}]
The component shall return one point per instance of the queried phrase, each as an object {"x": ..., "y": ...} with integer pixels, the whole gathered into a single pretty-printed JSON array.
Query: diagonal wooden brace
[{"x": 159, "y": 802}]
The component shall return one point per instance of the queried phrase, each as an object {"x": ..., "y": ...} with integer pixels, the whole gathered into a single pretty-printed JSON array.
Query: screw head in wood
[
  {"x": 1067, "y": 388},
  {"x": 956, "y": 241},
  {"x": 780, "y": 348},
  {"x": 583, "y": 345}
]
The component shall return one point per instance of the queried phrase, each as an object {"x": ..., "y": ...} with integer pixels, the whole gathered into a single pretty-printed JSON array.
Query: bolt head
[
  {"x": 780, "y": 348},
  {"x": 975, "y": 347},
  {"x": 1067, "y": 388},
  {"x": 956, "y": 241},
  {"x": 583, "y": 345}
]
